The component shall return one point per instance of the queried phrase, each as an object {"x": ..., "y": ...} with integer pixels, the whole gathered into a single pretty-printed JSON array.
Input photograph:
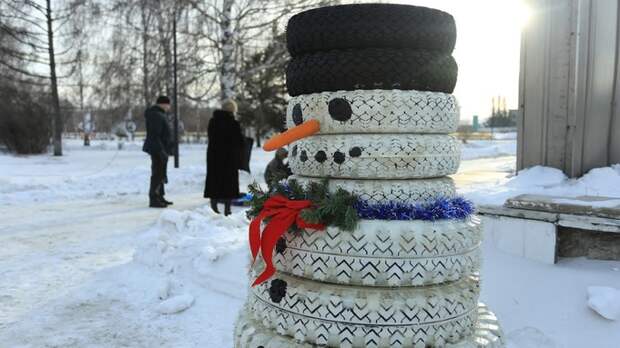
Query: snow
[
  {"x": 552, "y": 182},
  {"x": 176, "y": 304},
  {"x": 505, "y": 135},
  {"x": 101, "y": 171},
  {"x": 105, "y": 171},
  {"x": 529, "y": 337},
  {"x": 488, "y": 149},
  {"x": 606, "y": 203},
  {"x": 85, "y": 263},
  {"x": 604, "y": 301}
]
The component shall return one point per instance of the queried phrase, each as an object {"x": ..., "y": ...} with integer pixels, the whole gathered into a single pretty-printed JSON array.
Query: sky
[{"x": 487, "y": 50}]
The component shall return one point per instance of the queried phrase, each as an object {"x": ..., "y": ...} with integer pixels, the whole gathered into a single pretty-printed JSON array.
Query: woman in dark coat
[{"x": 223, "y": 157}]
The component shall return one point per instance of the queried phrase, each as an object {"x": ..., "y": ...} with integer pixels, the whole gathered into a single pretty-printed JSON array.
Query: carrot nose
[{"x": 305, "y": 129}]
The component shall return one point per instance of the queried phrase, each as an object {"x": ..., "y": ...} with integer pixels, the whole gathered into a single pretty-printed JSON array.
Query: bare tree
[
  {"x": 236, "y": 28},
  {"x": 35, "y": 26}
]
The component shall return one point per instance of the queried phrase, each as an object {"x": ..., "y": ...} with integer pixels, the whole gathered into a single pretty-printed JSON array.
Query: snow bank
[
  {"x": 550, "y": 181},
  {"x": 604, "y": 301},
  {"x": 188, "y": 243},
  {"x": 488, "y": 149},
  {"x": 184, "y": 287}
]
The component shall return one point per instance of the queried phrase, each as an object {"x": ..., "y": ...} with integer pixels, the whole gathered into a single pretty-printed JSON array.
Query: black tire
[
  {"x": 368, "y": 26},
  {"x": 371, "y": 69}
]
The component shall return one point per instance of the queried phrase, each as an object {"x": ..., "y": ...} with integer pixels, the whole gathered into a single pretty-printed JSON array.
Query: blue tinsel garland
[{"x": 440, "y": 209}]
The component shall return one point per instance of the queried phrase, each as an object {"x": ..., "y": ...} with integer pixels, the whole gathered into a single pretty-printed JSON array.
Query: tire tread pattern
[
  {"x": 371, "y": 68},
  {"x": 370, "y": 25},
  {"x": 385, "y": 253}
]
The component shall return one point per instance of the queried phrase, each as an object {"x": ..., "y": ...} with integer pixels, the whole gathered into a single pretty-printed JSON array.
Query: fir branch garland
[{"x": 343, "y": 209}]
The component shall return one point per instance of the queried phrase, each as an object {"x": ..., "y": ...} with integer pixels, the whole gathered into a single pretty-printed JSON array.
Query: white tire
[
  {"x": 384, "y": 253},
  {"x": 250, "y": 333},
  {"x": 376, "y": 111},
  {"x": 326, "y": 314},
  {"x": 387, "y": 156},
  {"x": 400, "y": 191}
]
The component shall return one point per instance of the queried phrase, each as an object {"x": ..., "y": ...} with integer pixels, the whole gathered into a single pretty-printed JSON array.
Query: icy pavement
[{"x": 84, "y": 263}]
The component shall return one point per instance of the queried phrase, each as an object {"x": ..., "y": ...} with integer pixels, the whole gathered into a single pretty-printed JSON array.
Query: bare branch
[{"x": 22, "y": 71}]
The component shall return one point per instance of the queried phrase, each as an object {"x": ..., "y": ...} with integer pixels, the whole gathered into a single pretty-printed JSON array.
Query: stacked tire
[{"x": 378, "y": 78}]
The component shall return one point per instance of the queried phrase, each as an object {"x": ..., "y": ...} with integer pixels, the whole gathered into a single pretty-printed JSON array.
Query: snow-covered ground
[
  {"x": 104, "y": 171},
  {"x": 99, "y": 171},
  {"x": 84, "y": 263},
  {"x": 488, "y": 149},
  {"x": 552, "y": 182}
]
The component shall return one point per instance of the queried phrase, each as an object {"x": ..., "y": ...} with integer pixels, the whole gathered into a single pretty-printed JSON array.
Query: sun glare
[
  {"x": 487, "y": 50},
  {"x": 523, "y": 13}
]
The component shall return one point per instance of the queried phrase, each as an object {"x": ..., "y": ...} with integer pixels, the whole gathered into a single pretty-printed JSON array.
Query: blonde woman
[{"x": 223, "y": 157}]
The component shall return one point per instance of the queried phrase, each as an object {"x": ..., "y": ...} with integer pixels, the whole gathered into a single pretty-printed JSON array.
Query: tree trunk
[
  {"x": 145, "y": 67},
  {"x": 85, "y": 127},
  {"x": 259, "y": 124},
  {"x": 227, "y": 70},
  {"x": 257, "y": 135},
  {"x": 58, "y": 124},
  {"x": 164, "y": 41}
]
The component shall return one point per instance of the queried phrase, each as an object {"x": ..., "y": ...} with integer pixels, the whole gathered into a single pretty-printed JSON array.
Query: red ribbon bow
[{"x": 283, "y": 213}]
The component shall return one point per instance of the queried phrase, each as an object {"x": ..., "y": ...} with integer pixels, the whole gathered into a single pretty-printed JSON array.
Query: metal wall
[{"x": 570, "y": 86}]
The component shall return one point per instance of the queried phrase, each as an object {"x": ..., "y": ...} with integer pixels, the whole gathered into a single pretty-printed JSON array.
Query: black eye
[
  {"x": 340, "y": 109},
  {"x": 298, "y": 118},
  {"x": 303, "y": 156},
  {"x": 294, "y": 152},
  {"x": 355, "y": 152},
  {"x": 320, "y": 156},
  {"x": 339, "y": 157}
]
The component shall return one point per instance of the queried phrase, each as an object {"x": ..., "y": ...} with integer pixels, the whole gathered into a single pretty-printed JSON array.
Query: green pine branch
[{"x": 331, "y": 209}]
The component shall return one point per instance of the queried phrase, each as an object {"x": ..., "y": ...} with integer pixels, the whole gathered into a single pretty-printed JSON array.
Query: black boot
[
  {"x": 165, "y": 201},
  {"x": 227, "y": 208},
  {"x": 156, "y": 203},
  {"x": 214, "y": 205}
]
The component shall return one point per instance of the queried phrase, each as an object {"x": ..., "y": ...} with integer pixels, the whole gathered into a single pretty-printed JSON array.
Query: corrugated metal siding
[{"x": 568, "y": 86}]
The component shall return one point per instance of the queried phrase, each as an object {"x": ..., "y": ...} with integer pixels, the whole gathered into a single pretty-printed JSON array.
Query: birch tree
[{"x": 242, "y": 28}]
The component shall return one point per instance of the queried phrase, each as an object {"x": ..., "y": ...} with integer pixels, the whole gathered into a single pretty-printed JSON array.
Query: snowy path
[{"x": 50, "y": 248}]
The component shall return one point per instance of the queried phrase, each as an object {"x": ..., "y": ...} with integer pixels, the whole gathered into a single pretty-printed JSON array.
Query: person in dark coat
[
  {"x": 158, "y": 144},
  {"x": 223, "y": 157},
  {"x": 276, "y": 169}
]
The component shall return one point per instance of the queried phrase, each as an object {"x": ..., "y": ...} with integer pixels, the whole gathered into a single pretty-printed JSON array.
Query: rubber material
[
  {"x": 371, "y": 68},
  {"x": 400, "y": 191},
  {"x": 373, "y": 156},
  {"x": 376, "y": 111},
  {"x": 384, "y": 253},
  {"x": 318, "y": 313},
  {"x": 370, "y": 25},
  {"x": 250, "y": 333}
]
